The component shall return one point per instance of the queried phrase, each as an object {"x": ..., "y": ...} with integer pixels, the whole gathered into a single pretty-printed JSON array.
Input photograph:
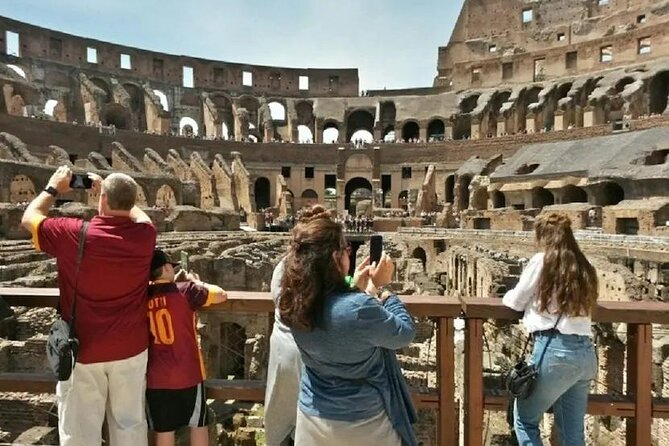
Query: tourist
[
  {"x": 557, "y": 291},
  {"x": 110, "y": 321},
  {"x": 175, "y": 394},
  {"x": 352, "y": 388},
  {"x": 284, "y": 371}
]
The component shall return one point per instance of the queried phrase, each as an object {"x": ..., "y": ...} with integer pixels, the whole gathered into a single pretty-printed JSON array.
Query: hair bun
[{"x": 315, "y": 212}]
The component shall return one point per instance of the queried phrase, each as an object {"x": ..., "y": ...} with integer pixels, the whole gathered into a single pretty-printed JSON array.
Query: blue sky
[{"x": 393, "y": 43}]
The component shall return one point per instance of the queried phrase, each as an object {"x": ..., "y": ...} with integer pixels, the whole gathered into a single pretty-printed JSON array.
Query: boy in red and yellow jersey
[{"x": 175, "y": 372}]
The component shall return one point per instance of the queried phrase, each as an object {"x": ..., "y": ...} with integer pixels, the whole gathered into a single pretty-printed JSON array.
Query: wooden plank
[
  {"x": 474, "y": 383},
  {"x": 235, "y": 389},
  {"x": 27, "y": 382},
  {"x": 639, "y": 382},
  {"x": 221, "y": 389},
  {"x": 605, "y": 405},
  {"x": 238, "y": 302},
  {"x": 448, "y": 417},
  {"x": 605, "y": 311},
  {"x": 30, "y": 297}
]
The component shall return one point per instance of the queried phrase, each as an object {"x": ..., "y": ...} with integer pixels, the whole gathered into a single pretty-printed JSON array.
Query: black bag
[
  {"x": 521, "y": 379},
  {"x": 62, "y": 346}
]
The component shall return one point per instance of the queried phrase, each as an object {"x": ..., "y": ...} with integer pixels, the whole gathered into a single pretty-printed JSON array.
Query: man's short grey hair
[{"x": 121, "y": 191}]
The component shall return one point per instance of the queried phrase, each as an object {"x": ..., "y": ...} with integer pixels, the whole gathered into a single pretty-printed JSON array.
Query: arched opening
[
  {"x": 188, "y": 127},
  {"x": 163, "y": 99},
  {"x": 450, "y": 189},
  {"x": 563, "y": 90},
  {"x": 410, "y": 131},
  {"x": 50, "y": 106},
  {"x": 362, "y": 135},
  {"x": 21, "y": 190},
  {"x": 574, "y": 194},
  {"x": 165, "y": 198},
  {"x": 480, "y": 199},
  {"x": 18, "y": 70},
  {"x": 102, "y": 84},
  {"x": 498, "y": 199},
  {"x": 468, "y": 104},
  {"x": 356, "y": 190},
  {"x": 261, "y": 189},
  {"x": 359, "y": 120},
  {"x": 611, "y": 194},
  {"x": 309, "y": 197},
  {"x": 304, "y": 135},
  {"x": 436, "y": 130},
  {"x": 622, "y": 83},
  {"x": 251, "y": 105},
  {"x": 659, "y": 93},
  {"x": 116, "y": 115},
  {"x": 542, "y": 197},
  {"x": 389, "y": 134},
  {"x": 305, "y": 116},
  {"x": 531, "y": 95},
  {"x": 277, "y": 111},
  {"x": 403, "y": 199},
  {"x": 330, "y": 133},
  {"x": 462, "y": 127},
  {"x": 498, "y": 100},
  {"x": 419, "y": 253},
  {"x": 137, "y": 106},
  {"x": 232, "y": 341},
  {"x": 463, "y": 192},
  {"x": 330, "y": 199}
]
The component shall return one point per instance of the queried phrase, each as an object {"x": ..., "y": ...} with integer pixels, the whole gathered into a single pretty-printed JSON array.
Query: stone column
[
  {"x": 589, "y": 116},
  {"x": 530, "y": 123},
  {"x": 376, "y": 186},
  {"x": 448, "y": 130},
  {"x": 318, "y": 131},
  {"x": 475, "y": 130},
  {"x": 341, "y": 189},
  {"x": 422, "y": 132},
  {"x": 559, "y": 122},
  {"x": 501, "y": 126}
]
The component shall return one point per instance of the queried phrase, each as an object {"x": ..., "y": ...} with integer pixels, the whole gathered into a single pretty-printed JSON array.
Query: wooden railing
[{"x": 637, "y": 405}]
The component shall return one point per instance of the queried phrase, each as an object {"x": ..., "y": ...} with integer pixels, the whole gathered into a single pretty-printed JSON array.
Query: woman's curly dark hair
[{"x": 310, "y": 270}]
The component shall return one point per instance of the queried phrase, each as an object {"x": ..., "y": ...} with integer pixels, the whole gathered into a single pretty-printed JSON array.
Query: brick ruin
[{"x": 552, "y": 106}]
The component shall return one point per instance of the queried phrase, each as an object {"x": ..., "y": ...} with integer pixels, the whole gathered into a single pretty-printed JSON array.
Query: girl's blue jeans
[{"x": 568, "y": 367}]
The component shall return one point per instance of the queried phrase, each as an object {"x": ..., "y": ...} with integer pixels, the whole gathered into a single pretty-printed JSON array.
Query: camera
[{"x": 81, "y": 181}]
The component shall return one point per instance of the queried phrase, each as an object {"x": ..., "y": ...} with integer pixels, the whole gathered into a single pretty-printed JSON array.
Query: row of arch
[
  {"x": 607, "y": 193},
  {"x": 22, "y": 189}
]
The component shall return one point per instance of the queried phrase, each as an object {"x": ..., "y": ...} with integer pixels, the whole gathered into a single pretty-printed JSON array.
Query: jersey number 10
[{"x": 161, "y": 326}]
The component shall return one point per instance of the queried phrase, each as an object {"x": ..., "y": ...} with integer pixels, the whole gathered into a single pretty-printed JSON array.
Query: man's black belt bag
[{"x": 62, "y": 346}]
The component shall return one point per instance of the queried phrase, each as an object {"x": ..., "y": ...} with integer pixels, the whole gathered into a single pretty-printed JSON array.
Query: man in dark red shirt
[
  {"x": 175, "y": 380},
  {"x": 110, "y": 319}
]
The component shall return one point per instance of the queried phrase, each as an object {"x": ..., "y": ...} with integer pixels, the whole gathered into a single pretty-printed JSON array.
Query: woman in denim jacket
[
  {"x": 352, "y": 391},
  {"x": 557, "y": 291}
]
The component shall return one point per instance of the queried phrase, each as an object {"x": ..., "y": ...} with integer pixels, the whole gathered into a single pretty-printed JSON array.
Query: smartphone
[
  {"x": 184, "y": 261},
  {"x": 375, "y": 248},
  {"x": 80, "y": 181}
]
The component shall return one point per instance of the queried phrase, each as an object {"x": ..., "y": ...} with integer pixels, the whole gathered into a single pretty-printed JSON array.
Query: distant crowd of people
[{"x": 360, "y": 223}]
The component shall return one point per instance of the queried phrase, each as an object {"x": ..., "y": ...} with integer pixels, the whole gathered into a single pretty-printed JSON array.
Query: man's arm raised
[{"x": 38, "y": 209}]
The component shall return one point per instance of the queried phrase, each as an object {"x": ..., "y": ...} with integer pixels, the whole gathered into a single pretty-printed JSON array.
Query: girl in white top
[{"x": 559, "y": 286}]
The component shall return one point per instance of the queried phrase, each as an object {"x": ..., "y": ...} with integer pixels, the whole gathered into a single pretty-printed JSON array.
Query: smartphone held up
[
  {"x": 81, "y": 181},
  {"x": 375, "y": 248}
]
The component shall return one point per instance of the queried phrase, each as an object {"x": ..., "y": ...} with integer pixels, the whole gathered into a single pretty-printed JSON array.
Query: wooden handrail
[{"x": 636, "y": 312}]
